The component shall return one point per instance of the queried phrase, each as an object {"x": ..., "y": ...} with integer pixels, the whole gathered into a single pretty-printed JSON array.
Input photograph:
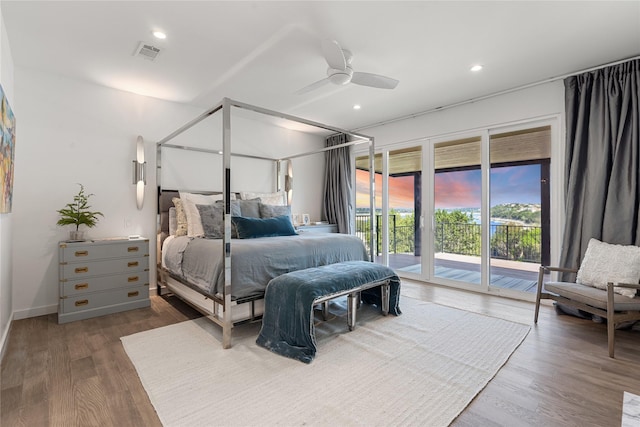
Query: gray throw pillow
[
  {"x": 235, "y": 207},
  {"x": 249, "y": 208},
  {"x": 212, "y": 223},
  {"x": 235, "y": 211},
  {"x": 272, "y": 211}
]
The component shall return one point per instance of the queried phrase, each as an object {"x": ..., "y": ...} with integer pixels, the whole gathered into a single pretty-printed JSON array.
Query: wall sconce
[
  {"x": 139, "y": 175},
  {"x": 288, "y": 182}
]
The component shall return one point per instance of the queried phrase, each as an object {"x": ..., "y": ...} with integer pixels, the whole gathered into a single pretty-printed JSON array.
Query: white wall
[
  {"x": 75, "y": 132},
  {"x": 6, "y": 307},
  {"x": 538, "y": 101}
]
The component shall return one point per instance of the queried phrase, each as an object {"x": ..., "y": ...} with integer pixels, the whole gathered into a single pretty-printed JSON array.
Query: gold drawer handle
[
  {"x": 133, "y": 294},
  {"x": 133, "y": 279},
  {"x": 82, "y": 253},
  {"x": 132, "y": 264},
  {"x": 82, "y": 286},
  {"x": 133, "y": 249},
  {"x": 82, "y": 270},
  {"x": 82, "y": 302}
]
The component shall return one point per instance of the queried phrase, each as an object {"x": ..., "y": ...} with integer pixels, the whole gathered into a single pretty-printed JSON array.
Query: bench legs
[
  {"x": 385, "y": 289},
  {"x": 352, "y": 307},
  {"x": 353, "y": 300}
]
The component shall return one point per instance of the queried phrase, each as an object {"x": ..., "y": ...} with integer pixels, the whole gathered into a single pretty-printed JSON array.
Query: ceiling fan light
[{"x": 340, "y": 78}]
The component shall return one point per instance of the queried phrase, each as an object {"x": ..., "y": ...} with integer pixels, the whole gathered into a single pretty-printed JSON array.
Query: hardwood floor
[{"x": 78, "y": 374}]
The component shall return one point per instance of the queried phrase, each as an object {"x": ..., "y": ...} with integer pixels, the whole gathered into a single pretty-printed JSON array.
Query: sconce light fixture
[
  {"x": 139, "y": 175},
  {"x": 288, "y": 182}
]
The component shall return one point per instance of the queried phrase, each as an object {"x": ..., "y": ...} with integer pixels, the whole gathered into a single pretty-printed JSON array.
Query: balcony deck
[{"x": 516, "y": 275}]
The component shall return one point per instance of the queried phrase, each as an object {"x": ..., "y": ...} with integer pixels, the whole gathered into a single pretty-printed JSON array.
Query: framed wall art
[{"x": 7, "y": 152}]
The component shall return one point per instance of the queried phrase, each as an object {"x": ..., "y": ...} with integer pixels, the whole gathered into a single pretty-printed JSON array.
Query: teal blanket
[{"x": 287, "y": 323}]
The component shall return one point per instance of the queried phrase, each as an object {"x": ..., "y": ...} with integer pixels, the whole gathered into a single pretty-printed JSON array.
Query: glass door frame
[
  {"x": 556, "y": 202},
  {"x": 427, "y": 216},
  {"x": 383, "y": 151},
  {"x": 429, "y": 195}
]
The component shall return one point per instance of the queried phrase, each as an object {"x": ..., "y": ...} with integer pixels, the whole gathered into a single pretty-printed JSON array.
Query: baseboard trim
[
  {"x": 5, "y": 337},
  {"x": 35, "y": 311}
]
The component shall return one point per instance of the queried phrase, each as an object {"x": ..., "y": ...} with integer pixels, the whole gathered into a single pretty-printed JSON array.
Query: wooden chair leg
[
  {"x": 538, "y": 293},
  {"x": 611, "y": 325}
]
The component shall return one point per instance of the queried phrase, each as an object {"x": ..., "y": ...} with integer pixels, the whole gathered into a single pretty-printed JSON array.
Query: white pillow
[
  {"x": 278, "y": 198},
  {"x": 173, "y": 221},
  {"x": 181, "y": 217},
  {"x": 189, "y": 202},
  {"x": 604, "y": 262}
]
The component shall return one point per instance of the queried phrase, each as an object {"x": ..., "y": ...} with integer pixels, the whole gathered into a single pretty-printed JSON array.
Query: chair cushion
[
  {"x": 604, "y": 262},
  {"x": 592, "y": 296}
]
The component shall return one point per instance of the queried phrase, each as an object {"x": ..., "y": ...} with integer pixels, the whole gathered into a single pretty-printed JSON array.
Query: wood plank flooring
[{"x": 78, "y": 374}]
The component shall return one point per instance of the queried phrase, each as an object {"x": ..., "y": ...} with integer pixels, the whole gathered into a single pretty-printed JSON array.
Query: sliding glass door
[
  {"x": 398, "y": 183},
  {"x": 491, "y": 216},
  {"x": 520, "y": 214},
  {"x": 457, "y": 204},
  {"x": 486, "y": 200},
  {"x": 404, "y": 209}
]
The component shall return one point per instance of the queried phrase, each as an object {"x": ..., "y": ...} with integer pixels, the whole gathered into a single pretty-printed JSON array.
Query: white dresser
[{"x": 98, "y": 277}]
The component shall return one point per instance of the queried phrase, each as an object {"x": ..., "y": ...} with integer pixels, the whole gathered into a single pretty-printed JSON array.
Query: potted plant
[{"x": 78, "y": 213}]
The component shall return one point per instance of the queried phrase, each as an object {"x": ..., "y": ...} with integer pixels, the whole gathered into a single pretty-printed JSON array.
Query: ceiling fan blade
[
  {"x": 374, "y": 80},
  {"x": 334, "y": 55},
  {"x": 312, "y": 86}
]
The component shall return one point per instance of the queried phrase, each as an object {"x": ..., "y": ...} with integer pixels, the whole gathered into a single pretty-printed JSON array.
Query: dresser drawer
[
  {"x": 87, "y": 252},
  {"x": 79, "y": 270},
  {"x": 104, "y": 298},
  {"x": 102, "y": 283}
]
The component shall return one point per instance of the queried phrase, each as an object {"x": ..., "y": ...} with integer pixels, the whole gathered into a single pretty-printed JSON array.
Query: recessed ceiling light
[
  {"x": 160, "y": 35},
  {"x": 476, "y": 68},
  {"x": 356, "y": 107}
]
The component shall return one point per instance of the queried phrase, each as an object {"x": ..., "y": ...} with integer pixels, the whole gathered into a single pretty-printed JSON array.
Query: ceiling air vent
[{"x": 147, "y": 51}]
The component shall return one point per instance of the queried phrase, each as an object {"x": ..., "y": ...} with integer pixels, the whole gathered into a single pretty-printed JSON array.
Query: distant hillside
[{"x": 526, "y": 213}]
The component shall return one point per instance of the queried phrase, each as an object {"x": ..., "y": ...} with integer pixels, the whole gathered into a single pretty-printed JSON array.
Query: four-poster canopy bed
[{"x": 228, "y": 280}]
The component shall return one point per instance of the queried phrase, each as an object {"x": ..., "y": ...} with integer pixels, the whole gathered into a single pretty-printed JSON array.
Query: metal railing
[{"x": 509, "y": 242}]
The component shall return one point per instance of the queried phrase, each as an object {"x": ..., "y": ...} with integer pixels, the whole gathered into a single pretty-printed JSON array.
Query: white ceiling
[{"x": 261, "y": 52}]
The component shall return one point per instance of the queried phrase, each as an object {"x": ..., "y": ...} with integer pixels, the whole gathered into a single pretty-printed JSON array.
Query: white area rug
[{"x": 421, "y": 368}]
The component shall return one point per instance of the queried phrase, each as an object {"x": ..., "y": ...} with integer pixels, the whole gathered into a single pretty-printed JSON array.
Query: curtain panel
[
  {"x": 602, "y": 174},
  {"x": 337, "y": 206}
]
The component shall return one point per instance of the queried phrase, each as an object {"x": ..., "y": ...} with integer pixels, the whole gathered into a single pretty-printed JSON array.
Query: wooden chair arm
[
  {"x": 625, "y": 285},
  {"x": 561, "y": 269}
]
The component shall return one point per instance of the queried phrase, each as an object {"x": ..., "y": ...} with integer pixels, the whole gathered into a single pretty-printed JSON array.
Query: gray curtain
[
  {"x": 337, "y": 206},
  {"x": 602, "y": 160}
]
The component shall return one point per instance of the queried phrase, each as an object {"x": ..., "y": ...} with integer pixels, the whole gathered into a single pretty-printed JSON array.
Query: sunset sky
[{"x": 515, "y": 184}]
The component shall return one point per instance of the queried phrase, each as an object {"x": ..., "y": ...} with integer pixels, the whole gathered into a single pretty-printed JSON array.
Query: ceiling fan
[{"x": 341, "y": 73}]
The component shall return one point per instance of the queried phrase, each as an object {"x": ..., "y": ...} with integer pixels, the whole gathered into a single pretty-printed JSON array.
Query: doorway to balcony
[
  {"x": 470, "y": 212},
  {"x": 398, "y": 231},
  {"x": 491, "y": 196}
]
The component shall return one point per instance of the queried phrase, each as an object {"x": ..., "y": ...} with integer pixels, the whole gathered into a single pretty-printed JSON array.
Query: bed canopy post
[
  {"x": 373, "y": 238},
  {"x": 226, "y": 241},
  {"x": 279, "y": 175}
]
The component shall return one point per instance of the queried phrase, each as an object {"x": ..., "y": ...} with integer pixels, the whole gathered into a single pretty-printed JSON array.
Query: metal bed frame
[{"x": 224, "y": 302}]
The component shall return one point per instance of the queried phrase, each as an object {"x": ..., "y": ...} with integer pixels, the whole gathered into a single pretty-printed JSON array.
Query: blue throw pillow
[{"x": 251, "y": 228}]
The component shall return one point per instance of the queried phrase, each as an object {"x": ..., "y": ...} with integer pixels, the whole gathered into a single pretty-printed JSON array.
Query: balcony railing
[{"x": 510, "y": 242}]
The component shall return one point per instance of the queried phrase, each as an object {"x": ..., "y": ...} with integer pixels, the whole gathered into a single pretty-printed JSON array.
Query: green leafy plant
[{"x": 79, "y": 212}]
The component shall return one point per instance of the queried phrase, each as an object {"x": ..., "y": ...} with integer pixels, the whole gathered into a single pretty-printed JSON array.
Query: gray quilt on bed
[
  {"x": 287, "y": 322},
  {"x": 254, "y": 262}
]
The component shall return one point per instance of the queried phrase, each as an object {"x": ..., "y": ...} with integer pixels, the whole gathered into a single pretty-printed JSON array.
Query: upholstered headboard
[{"x": 165, "y": 201}]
